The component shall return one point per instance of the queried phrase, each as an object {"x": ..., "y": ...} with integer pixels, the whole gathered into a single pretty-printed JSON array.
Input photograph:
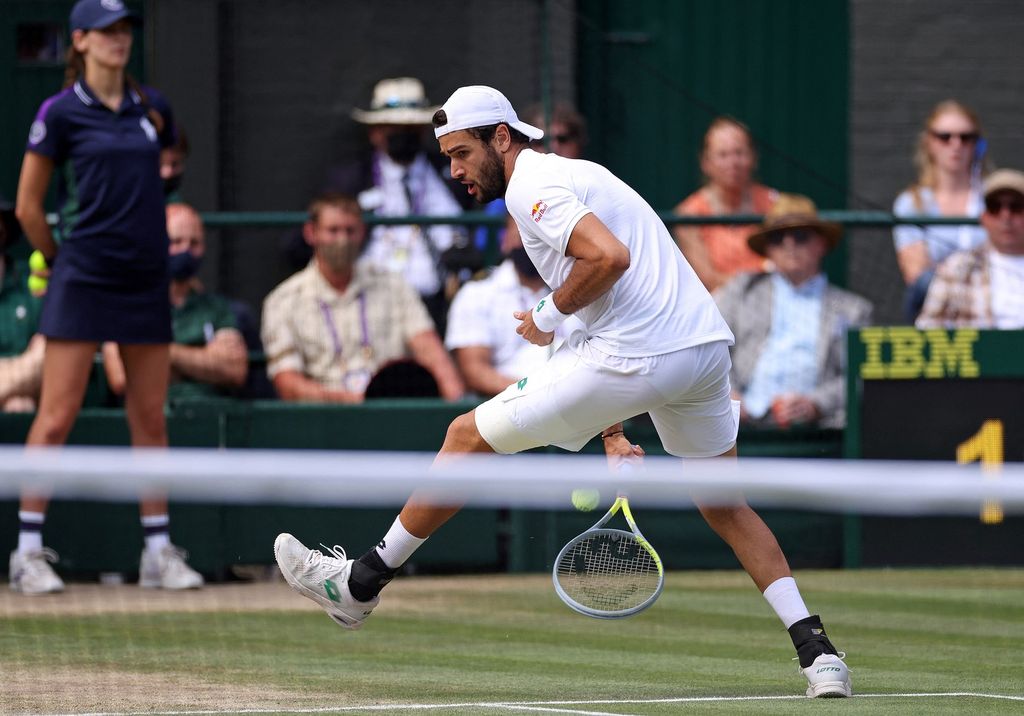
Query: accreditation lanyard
[{"x": 332, "y": 330}]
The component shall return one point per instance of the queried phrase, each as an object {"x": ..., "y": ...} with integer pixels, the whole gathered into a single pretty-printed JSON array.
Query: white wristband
[{"x": 546, "y": 315}]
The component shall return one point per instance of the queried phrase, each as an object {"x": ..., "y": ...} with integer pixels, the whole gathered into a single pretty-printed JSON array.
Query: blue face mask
[{"x": 183, "y": 266}]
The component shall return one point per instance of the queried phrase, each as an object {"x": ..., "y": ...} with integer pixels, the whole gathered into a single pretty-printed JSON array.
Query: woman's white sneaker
[
  {"x": 167, "y": 569},
  {"x": 31, "y": 573}
]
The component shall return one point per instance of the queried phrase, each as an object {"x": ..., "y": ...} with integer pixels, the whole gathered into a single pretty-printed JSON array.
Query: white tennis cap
[{"x": 480, "y": 106}]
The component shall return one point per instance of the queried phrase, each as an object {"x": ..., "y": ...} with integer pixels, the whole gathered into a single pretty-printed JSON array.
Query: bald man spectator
[{"x": 208, "y": 355}]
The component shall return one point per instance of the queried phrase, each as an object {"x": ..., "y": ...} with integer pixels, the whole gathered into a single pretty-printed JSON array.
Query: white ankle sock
[
  {"x": 784, "y": 596},
  {"x": 398, "y": 545},
  {"x": 157, "y": 535},
  {"x": 30, "y": 532}
]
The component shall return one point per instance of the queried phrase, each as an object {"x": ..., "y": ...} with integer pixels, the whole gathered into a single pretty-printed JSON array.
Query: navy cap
[{"x": 97, "y": 14}]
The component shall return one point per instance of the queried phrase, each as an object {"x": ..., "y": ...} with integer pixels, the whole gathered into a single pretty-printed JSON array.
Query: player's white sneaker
[
  {"x": 322, "y": 578},
  {"x": 167, "y": 569},
  {"x": 31, "y": 573},
  {"x": 828, "y": 677}
]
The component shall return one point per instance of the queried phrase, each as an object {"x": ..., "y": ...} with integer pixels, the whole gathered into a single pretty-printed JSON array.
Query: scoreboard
[{"x": 936, "y": 394}]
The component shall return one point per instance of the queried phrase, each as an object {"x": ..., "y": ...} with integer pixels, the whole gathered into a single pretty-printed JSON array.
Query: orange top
[{"x": 727, "y": 243}]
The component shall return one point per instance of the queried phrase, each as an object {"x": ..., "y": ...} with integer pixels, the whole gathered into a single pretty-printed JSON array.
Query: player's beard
[{"x": 491, "y": 185}]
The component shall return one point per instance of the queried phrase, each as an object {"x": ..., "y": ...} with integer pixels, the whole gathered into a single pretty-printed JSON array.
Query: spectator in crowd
[
  {"x": 482, "y": 328},
  {"x": 330, "y": 328},
  {"x": 397, "y": 177},
  {"x": 101, "y": 137},
  {"x": 567, "y": 135},
  {"x": 983, "y": 287},
  {"x": 172, "y": 166},
  {"x": 950, "y": 159},
  {"x": 208, "y": 355},
  {"x": 790, "y": 324},
  {"x": 21, "y": 347},
  {"x": 727, "y": 160}
]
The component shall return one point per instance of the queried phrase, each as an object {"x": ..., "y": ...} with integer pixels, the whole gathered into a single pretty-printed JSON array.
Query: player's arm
[
  {"x": 36, "y": 170},
  {"x": 617, "y": 446},
  {"x": 601, "y": 259}
]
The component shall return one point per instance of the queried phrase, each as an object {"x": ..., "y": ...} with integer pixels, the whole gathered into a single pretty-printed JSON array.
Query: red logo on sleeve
[{"x": 537, "y": 212}]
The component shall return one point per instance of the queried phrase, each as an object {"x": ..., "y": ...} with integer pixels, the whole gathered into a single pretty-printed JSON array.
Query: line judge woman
[{"x": 108, "y": 278}]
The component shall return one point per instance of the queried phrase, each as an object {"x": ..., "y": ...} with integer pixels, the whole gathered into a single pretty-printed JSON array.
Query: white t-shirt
[
  {"x": 1007, "y": 277},
  {"x": 481, "y": 315},
  {"x": 659, "y": 305}
]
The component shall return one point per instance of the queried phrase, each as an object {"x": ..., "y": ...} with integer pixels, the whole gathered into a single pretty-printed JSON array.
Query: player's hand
[
  {"x": 620, "y": 451},
  {"x": 529, "y": 331}
]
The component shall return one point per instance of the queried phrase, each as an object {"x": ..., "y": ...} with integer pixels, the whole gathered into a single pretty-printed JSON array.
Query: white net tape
[{"x": 363, "y": 478}]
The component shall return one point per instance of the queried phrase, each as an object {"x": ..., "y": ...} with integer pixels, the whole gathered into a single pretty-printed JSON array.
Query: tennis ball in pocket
[
  {"x": 37, "y": 262},
  {"x": 585, "y": 500},
  {"x": 37, "y": 285}
]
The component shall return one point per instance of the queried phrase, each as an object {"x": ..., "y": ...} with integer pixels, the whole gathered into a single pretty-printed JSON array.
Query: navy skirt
[{"x": 134, "y": 308}]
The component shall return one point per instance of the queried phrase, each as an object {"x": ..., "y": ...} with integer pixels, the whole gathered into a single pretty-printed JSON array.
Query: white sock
[
  {"x": 398, "y": 545},
  {"x": 30, "y": 531},
  {"x": 157, "y": 532},
  {"x": 784, "y": 596}
]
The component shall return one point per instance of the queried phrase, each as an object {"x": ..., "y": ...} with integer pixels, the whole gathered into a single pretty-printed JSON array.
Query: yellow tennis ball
[
  {"x": 585, "y": 500},
  {"x": 37, "y": 262},
  {"x": 37, "y": 285}
]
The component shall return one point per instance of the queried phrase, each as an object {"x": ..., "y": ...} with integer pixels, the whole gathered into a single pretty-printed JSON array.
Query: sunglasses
[
  {"x": 995, "y": 207},
  {"x": 947, "y": 137},
  {"x": 800, "y": 236}
]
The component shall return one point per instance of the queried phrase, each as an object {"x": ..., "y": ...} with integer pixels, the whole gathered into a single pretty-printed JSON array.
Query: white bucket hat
[
  {"x": 480, "y": 106},
  {"x": 398, "y": 100}
]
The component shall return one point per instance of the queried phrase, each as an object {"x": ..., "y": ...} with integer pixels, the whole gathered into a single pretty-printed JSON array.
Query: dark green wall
[
  {"x": 653, "y": 73},
  {"x": 25, "y": 84}
]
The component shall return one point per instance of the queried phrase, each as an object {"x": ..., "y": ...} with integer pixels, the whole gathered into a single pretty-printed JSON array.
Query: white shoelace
[{"x": 316, "y": 558}]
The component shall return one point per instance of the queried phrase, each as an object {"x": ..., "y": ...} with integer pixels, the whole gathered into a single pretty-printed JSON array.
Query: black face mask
[
  {"x": 183, "y": 266},
  {"x": 172, "y": 184},
  {"x": 403, "y": 146},
  {"x": 522, "y": 262}
]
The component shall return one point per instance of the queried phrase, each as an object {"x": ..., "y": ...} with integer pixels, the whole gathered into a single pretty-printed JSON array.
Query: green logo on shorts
[
  {"x": 541, "y": 304},
  {"x": 522, "y": 384}
]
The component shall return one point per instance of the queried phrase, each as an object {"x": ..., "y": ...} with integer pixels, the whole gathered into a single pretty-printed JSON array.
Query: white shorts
[{"x": 580, "y": 391}]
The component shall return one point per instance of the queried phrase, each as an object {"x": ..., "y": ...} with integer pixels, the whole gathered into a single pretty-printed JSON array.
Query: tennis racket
[{"x": 608, "y": 573}]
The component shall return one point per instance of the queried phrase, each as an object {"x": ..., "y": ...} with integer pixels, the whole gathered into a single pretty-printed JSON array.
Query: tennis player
[{"x": 654, "y": 342}]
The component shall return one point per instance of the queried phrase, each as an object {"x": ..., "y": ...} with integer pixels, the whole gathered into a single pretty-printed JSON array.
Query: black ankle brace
[
  {"x": 369, "y": 576},
  {"x": 810, "y": 640}
]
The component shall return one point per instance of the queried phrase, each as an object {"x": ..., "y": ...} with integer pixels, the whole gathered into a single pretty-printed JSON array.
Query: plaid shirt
[
  {"x": 960, "y": 295},
  {"x": 311, "y": 328}
]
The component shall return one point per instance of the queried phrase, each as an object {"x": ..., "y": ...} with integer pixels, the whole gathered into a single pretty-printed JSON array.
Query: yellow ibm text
[{"x": 902, "y": 352}]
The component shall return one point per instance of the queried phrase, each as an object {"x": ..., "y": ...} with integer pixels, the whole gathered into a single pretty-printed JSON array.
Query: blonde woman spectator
[
  {"x": 728, "y": 160},
  {"x": 950, "y": 163}
]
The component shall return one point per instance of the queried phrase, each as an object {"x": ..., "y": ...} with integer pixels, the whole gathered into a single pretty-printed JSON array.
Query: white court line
[{"x": 544, "y": 706}]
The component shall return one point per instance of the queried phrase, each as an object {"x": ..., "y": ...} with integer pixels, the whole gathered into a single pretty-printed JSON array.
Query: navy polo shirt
[{"x": 110, "y": 196}]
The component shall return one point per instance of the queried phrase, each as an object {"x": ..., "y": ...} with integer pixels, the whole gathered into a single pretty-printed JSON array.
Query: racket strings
[{"x": 609, "y": 572}]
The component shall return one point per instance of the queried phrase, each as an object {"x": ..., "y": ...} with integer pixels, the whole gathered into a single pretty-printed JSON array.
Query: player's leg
[
  {"x": 703, "y": 421},
  {"x": 147, "y": 371},
  {"x": 66, "y": 367},
  {"x": 348, "y": 589}
]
